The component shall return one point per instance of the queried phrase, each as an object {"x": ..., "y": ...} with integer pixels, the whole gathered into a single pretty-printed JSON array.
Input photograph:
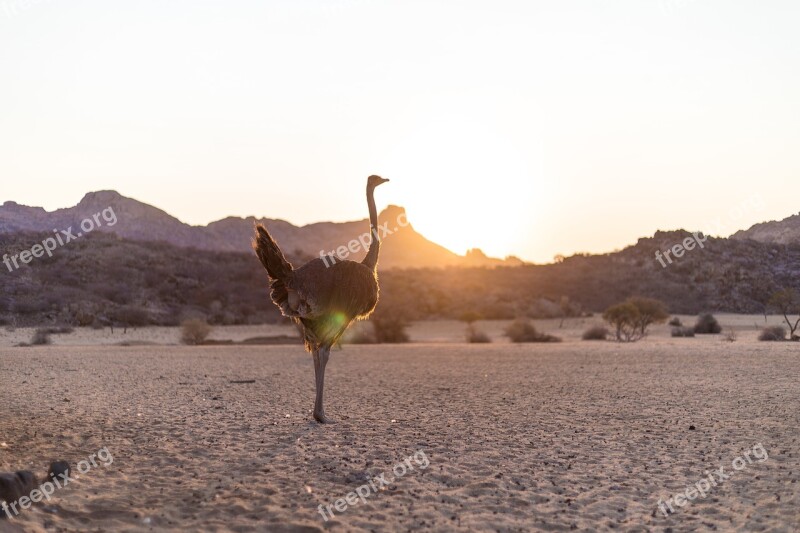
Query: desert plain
[{"x": 576, "y": 435}]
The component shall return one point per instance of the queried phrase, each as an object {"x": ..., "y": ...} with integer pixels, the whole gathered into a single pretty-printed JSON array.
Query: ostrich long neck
[{"x": 371, "y": 260}]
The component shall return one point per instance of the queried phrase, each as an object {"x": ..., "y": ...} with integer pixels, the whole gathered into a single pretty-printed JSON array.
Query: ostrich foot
[{"x": 320, "y": 417}]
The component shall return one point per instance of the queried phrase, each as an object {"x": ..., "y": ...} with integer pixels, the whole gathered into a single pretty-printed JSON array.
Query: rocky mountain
[
  {"x": 104, "y": 279},
  {"x": 786, "y": 231},
  {"x": 403, "y": 247}
]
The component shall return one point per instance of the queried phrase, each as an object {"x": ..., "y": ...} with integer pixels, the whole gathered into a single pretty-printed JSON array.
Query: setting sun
[{"x": 467, "y": 184}]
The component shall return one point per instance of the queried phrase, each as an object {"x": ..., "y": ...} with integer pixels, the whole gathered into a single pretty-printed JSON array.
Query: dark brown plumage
[{"x": 323, "y": 296}]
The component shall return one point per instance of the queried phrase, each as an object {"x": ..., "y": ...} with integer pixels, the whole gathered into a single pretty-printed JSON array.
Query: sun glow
[{"x": 466, "y": 185}]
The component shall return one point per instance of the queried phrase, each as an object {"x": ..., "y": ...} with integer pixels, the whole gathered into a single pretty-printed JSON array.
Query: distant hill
[
  {"x": 104, "y": 279},
  {"x": 786, "y": 231},
  {"x": 404, "y": 248}
]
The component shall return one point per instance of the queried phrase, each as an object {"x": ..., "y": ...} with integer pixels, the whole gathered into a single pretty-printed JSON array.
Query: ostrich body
[{"x": 324, "y": 297}]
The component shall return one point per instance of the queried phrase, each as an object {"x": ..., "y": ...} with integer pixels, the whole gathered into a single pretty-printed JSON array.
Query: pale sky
[{"x": 529, "y": 128}]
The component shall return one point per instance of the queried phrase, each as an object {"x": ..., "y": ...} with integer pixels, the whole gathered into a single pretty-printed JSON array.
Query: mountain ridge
[{"x": 403, "y": 247}]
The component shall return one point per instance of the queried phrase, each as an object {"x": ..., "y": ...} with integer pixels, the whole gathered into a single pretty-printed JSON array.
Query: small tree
[
  {"x": 624, "y": 318},
  {"x": 631, "y": 318},
  {"x": 194, "y": 331},
  {"x": 651, "y": 311},
  {"x": 787, "y": 302}
]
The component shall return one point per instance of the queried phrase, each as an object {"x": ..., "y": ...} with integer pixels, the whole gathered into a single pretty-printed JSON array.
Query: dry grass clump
[
  {"x": 523, "y": 330},
  {"x": 773, "y": 333},
  {"x": 683, "y": 332}
]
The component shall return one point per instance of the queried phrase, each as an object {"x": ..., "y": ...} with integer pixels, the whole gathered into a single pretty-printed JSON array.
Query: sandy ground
[{"x": 518, "y": 437}]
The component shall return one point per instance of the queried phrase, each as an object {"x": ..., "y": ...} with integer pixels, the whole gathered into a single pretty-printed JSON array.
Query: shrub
[
  {"x": 194, "y": 331},
  {"x": 474, "y": 335},
  {"x": 676, "y": 322},
  {"x": 389, "y": 329},
  {"x": 707, "y": 325},
  {"x": 651, "y": 311},
  {"x": 623, "y": 318},
  {"x": 41, "y": 337},
  {"x": 522, "y": 330},
  {"x": 773, "y": 333},
  {"x": 596, "y": 333},
  {"x": 730, "y": 336},
  {"x": 631, "y": 318},
  {"x": 683, "y": 332}
]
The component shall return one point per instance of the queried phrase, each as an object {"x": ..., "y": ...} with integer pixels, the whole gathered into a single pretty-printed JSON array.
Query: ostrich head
[{"x": 373, "y": 181}]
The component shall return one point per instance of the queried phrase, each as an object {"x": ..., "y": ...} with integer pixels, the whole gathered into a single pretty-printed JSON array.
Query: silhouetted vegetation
[
  {"x": 773, "y": 333},
  {"x": 194, "y": 331},
  {"x": 596, "y": 333},
  {"x": 41, "y": 337},
  {"x": 102, "y": 280},
  {"x": 523, "y": 330},
  {"x": 787, "y": 302},
  {"x": 389, "y": 325},
  {"x": 682, "y": 332},
  {"x": 707, "y": 325},
  {"x": 476, "y": 336},
  {"x": 631, "y": 318},
  {"x": 675, "y": 322}
]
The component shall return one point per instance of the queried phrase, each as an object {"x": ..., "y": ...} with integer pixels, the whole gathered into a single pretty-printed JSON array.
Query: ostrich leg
[{"x": 320, "y": 361}]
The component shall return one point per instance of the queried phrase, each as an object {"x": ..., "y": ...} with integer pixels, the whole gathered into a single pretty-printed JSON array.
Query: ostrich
[{"x": 323, "y": 296}]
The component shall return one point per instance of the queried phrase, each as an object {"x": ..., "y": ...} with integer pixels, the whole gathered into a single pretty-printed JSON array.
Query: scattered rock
[{"x": 58, "y": 470}]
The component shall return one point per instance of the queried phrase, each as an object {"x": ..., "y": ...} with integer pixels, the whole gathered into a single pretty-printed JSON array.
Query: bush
[
  {"x": 707, "y": 325},
  {"x": 41, "y": 338},
  {"x": 676, "y": 322},
  {"x": 194, "y": 331},
  {"x": 773, "y": 333},
  {"x": 596, "y": 333},
  {"x": 683, "y": 332},
  {"x": 623, "y": 318},
  {"x": 522, "y": 330},
  {"x": 389, "y": 329},
  {"x": 476, "y": 336},
  {"x": 631, "y": 318}
]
